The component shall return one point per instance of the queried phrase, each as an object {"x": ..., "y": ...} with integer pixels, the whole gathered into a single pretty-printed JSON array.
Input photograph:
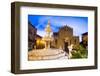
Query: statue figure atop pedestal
[
  {"x": 48, "y": 29},
  {"x": 47, "y": 38}
]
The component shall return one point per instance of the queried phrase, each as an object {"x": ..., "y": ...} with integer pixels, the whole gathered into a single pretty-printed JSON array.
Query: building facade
[
  {"x": 39, "y": 42},
  {"x": 64, "y": 37},
  {"x": 85, "y": 39},
  {"x": 32, "y": 34}
]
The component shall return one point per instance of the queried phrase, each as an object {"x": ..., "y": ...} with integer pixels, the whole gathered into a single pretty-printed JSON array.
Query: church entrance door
[{"x": 66, "y": 47}]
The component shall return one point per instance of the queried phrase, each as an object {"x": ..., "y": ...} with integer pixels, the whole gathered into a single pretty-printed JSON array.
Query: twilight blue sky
[{"x": 79, "y": 24}]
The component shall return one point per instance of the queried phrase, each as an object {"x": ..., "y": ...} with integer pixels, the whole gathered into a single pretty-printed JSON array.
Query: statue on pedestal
[{"x": 47, "y": 38}]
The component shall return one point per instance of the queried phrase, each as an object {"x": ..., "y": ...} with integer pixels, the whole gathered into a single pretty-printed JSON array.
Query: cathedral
[{"x": 64, "y": 37}]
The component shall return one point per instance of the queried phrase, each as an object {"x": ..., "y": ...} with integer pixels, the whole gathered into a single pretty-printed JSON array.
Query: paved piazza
[{"x": 46, "y": 54}]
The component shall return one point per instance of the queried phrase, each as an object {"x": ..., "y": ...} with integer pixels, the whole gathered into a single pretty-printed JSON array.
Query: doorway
[{"x": 66, "y": 47}]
